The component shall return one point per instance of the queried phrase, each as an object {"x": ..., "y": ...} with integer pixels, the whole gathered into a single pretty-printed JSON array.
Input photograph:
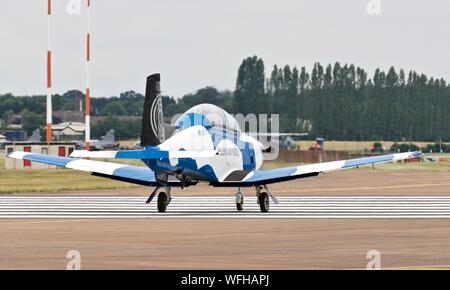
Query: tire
[
  {"x": 162, "y": 201},
  {"x": 239, "y": 201},
  {"x": 264, "y": 202}
]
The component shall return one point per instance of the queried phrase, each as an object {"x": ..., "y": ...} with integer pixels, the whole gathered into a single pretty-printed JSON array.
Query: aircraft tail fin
[
  {"x": 152, "y": 118},
  {"x": 110, "y": 136}
]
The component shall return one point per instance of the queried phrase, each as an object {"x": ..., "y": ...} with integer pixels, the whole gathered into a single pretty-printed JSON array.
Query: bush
[
  {"x": 436, "y": 148},
  {"x": 397, "y": 148},
  {"x": 128, "y": 129},
  {"x": 377, "y": 147}
]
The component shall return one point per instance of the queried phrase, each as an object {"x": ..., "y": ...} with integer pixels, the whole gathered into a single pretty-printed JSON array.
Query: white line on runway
[{"x": 310, "y": 207}]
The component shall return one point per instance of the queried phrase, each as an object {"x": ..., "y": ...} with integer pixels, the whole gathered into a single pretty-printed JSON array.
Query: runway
[{"x": 223, "y": 207}]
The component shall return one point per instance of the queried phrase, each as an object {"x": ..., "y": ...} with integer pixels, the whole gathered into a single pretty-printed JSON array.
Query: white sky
[{"x": 195, "y": 43}]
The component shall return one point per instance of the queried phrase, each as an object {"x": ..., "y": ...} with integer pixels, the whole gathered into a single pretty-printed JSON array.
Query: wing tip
[{"x": 17, "y": 154}]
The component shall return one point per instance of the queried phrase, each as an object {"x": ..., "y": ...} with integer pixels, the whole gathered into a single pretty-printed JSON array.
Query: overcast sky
[{"x": 195, "y": 43}]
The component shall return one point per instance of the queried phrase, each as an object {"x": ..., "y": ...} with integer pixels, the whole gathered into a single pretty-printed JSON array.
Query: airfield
[{"x": 330, "y": 221}]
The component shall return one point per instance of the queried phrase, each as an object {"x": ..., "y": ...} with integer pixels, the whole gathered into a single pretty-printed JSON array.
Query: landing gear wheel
[
  {"x": 264, "y": 202},
  {"x": 163, "y": 201},
  {"x": 239, "y": 201}
]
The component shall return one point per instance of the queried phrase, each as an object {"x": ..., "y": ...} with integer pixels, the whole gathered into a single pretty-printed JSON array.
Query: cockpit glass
[{"x": 209, "y": 116}]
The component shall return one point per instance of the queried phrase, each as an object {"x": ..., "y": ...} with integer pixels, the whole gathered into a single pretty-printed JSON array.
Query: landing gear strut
[
  {"x": 152, "y": 195},
  {"x": 239, "y": 200}
]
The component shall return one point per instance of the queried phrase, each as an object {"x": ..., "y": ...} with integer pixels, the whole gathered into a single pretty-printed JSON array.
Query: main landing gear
[
  {"x": 164, "y": 198},
  {"x": 262, "y": 198},
  {"x": 264, "y": 203},
  {"x": 239, "y": 200},
  {"x": 263, "y": 194}
]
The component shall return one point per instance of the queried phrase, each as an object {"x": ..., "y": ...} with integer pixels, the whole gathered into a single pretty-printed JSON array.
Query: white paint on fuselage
[
  {"x": 257, "y": 146},
  {"x": 228, "y": 159}
]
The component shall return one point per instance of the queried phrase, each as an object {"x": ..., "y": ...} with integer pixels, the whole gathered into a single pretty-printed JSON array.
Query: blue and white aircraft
[{"x": 204, "y": 145}]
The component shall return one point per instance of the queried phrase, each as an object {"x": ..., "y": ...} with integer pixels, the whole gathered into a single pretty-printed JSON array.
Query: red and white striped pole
[
  {"x": 49, "y": 75},
  {"x": 88, "y": 86}
]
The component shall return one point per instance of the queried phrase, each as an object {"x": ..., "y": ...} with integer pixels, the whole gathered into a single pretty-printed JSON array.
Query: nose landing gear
[{"x": 239, "y": 201}]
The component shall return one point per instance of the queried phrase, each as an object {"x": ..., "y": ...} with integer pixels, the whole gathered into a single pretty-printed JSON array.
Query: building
[
  {"x": 13, "y": 136},
  {"x": 69, "y": 131},
  {"x": 2, "y": 141},
  {"x": 62, "y": 149},
  {"x": 68, "y": 116}
]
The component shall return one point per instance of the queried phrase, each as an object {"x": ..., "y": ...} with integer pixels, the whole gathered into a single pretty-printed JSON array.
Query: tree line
[
  {"x": 341, "y": 102},
  {"x": 335, "y": 101}
]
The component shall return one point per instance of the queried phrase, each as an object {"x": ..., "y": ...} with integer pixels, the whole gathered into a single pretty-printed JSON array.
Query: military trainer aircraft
[
  {"x": 107, "y": 141},
  {"x": 205, "y": 144}
]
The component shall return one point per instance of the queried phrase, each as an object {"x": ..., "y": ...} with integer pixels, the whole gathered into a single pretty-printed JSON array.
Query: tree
[
  {"x": 115, "y": 108},
  {"x": 124, "y": 129},
  {"x": 249, "y": 93},
  {"x": 31, "y": 121},
  {"x": 340, "y": 101}
]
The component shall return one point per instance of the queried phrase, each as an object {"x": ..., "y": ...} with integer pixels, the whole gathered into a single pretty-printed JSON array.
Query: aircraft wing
[
  {"x": 276, "y": 135},
  {"x": 261, "y": 177},
  {"x": 122, "y": 172},
  {"x": 143, "y": 154}
]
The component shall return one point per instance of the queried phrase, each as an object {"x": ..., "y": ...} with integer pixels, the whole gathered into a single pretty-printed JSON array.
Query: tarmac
[
  {"x": 223, "y": 207},
  {"x": 320, "y": 223}
]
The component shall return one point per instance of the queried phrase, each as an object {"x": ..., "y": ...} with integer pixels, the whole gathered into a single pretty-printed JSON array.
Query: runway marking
[
  {"x": 426, "y": 267},
  {"x": 223, "y": 207},
  {"x": 370, "y": 187}
]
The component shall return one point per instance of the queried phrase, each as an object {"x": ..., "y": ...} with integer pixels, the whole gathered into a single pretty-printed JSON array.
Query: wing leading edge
[
  {"x": 121, "y": 172},
  {"x": 261, "y": 177}
]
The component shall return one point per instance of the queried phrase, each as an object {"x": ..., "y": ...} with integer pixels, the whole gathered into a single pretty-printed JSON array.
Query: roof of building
[
  {"x": 75, "y": 126},
  {"x": 54, "y": 143}
]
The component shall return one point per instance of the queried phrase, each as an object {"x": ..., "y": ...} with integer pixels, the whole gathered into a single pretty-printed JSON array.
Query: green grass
[
  {"x": 409, "y": 166},
  {"x": 278, "y": 164},
  {"x": 52, "y": 180},
  {"x": 414, "y": 166}
]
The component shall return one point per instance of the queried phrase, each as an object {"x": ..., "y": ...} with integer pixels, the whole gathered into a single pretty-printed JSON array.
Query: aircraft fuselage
[{"x": 237, "y": 153}]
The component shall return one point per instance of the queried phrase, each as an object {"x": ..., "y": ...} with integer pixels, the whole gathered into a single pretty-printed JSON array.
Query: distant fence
[{"x": 317, "y": 156}]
